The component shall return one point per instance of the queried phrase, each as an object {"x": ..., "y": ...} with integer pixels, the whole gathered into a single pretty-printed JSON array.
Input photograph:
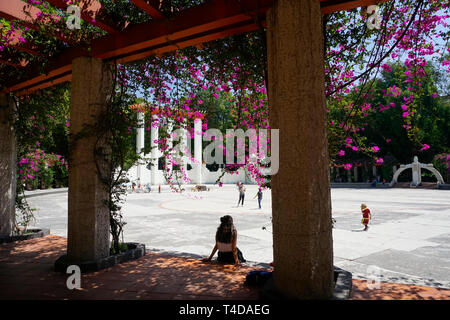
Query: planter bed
[
  {"x": 33, "y": 233},
  {"x": 135, "y": 251}
]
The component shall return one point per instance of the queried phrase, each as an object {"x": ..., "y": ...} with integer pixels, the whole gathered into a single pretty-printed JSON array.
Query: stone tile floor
[{"x": 26, "y": 272}]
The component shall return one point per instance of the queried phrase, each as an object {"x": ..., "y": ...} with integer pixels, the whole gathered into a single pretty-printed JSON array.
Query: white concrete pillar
[
  {"x": 374, "y": 172},
  {"x": 154, "y": 135},
  {"x": 355, "y": 173},
  {"x": 88, "y": 215},
  {"x": 349, "y": 175},
  {"x": 169, "y": 143},
  {"x": 185, "y": 149},
  {"x": 8, "y": 162},
  {"x": 198, "y": 151},
  {"x": 140, "y": 142}
]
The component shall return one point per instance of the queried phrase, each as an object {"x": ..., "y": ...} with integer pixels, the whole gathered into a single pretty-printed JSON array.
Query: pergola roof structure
[{"x": 164, "y": 32}]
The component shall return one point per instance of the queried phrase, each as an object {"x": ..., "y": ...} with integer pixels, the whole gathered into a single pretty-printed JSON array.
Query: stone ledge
[
  {"x": 343, "y": 284},
  {"x": 342, "y": 288},
  {"x": 359, "y": 185},
  {"x": 37, "y": 233},
  {"x": 137, "y": 250}
]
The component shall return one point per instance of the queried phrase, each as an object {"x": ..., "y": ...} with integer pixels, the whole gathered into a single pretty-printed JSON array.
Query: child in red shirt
[{"x": 366, "y": 216}]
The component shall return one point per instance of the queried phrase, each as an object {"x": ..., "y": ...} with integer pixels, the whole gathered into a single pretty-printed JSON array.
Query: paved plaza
[{"x": 408, "y": 240}]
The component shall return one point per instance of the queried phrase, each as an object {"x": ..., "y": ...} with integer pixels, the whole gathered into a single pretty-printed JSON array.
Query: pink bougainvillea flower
[
  {"x": 380, "y": 160},
  {"x": 341, "y": 153},
  {"x": 386, "y": 67},
  {"x": 347, "y": 166},
  {"x": 425, "y": 147}
]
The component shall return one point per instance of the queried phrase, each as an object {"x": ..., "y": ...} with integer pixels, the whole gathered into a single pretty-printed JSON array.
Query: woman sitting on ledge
[{"x": 226, "y": 237}]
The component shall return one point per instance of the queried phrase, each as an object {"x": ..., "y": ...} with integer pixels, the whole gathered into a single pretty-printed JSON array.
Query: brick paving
[
  {"x": 396, "y": 291},
  {"x": 26, "y": 272}
]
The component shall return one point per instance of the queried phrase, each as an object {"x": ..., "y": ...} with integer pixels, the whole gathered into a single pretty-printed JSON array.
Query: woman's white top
[{"x": 224, "y": 247}]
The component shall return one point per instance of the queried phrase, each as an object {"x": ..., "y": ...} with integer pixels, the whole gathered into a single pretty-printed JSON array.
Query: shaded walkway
[{"x": 26, "y": 272}]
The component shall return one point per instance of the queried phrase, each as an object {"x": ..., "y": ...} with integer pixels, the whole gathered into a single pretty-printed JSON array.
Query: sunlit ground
[{"x": 408, "y": 240}]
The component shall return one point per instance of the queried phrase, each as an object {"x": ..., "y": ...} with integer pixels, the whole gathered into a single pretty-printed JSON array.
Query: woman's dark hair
[{"x": 226, "y": 230}]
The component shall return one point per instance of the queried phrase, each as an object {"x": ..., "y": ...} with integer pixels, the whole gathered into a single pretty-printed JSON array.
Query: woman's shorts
[{"x": 227, "y": 257}]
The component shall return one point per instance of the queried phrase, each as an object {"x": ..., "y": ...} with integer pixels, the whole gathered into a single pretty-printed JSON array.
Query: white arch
[
  {"x": 429, "y": 167},
  {"x": 436, "y": 174}
]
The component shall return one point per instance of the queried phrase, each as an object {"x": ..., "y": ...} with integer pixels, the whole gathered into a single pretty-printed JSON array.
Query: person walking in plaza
[
  {"x": 259, "y": 194},
  {"x": 367, "y": 216},
  {"x": 226, "y": 240},
  {"x": 241, "y": 194}
]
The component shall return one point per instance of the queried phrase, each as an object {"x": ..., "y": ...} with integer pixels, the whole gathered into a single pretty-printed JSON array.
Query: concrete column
[
  {"x": 416, "y": 172},
  {"x": 349, "y": 175},
  {"x": 185, "y": 157},
  {"x": 198, "y": 150},
  {"x": 88, "y": 223},
  {"x": 355, "y": 173},
  {"x": 374, "y": 172},
  {"x": 8, "y": 170},
  {"x": 394, "y": 169},
  {"x": 301, "y": 209},
  {"x": 154, "y": 133},
  {"x": 169, "y": 142},
  {"x": 140, "y": 142}
]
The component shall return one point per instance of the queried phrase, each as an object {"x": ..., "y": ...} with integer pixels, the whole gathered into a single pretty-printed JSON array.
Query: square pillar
[
  {"x": 301, "y": 199},
  {"x": 140, "y": 142},
  {"x": 154, "y": 135},
  {"x": 198, "y": 150},
  {"x": 88, "y": 225},
  {"x": 8, "y": 163}
]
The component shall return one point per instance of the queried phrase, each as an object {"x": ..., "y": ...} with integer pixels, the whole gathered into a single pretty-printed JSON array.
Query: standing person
[
  {"x": 226, "y": 239},
  {"x": 241, "y": 194},
  {"x": 366, "y": 216},
  {"x": 259, "y": 194}
]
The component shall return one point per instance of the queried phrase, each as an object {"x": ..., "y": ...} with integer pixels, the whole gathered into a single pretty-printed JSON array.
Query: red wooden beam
[
  {"x": 13, "y": 10},
  {"x": 162, "y": 36},
  {"x": 204, "y": 18},
  {"x": 11, "y": 61},
  {"x": 28, "y": 48},
  {"x": 330, "y": 6},
  {"x": 209, "y": 21},
  {"x": 90, "y": 12},
  {"x": 46, "y": 84},
  {"x": 149, "y": 8}
]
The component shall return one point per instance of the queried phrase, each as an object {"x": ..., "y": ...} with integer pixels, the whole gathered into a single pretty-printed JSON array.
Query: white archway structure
[{"x": 416, "y": 167}]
